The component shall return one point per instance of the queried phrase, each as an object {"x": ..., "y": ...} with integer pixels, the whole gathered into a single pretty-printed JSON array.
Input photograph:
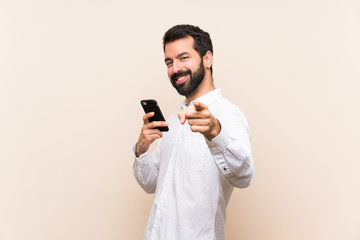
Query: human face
[{"x": 185, "y": 66}]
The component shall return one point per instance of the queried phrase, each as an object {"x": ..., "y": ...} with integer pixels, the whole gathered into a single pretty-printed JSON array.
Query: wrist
[
  {"x": 138, "y": 152},
  {"x": 215, "y": 131}
]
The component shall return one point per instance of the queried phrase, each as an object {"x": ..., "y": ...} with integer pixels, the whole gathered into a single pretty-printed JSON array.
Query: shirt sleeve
[
  {"x": 146, "y": 169},
  {"x": 232, "y": 154}
]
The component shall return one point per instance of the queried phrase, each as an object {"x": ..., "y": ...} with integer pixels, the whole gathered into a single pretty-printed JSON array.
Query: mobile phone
[{"x": 150, "y": 105}]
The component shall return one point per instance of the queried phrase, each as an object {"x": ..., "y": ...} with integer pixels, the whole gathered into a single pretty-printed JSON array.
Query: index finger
[
  {"x": 147, "y": 116},
  {"x": 199, "y": 106}
]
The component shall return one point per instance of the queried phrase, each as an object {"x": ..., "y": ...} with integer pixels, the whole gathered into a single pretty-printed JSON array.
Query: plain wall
[{"x": 72, "y": 74}]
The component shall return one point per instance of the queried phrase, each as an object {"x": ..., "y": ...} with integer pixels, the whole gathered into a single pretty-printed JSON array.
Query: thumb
[{"x": 182, "y": 116}]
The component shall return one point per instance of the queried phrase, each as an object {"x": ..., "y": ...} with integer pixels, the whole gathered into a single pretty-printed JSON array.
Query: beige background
[{"x": 72, "y": 74}]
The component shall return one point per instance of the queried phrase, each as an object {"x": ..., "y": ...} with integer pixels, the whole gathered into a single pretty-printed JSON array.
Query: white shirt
[{"x": 192, "y": 177}]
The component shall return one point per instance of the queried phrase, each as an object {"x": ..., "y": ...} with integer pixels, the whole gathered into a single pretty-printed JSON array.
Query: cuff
[
  {"x": 218, "y": 146},
  {"x": 141, "y": 161}
]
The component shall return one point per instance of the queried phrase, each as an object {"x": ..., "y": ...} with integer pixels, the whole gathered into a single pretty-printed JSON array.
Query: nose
[{"x": 177, "y": 66}]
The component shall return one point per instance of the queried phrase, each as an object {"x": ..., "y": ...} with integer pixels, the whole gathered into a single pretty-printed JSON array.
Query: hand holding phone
[
  {"x": 151, "y": 130},
  {"x": 150, "y": 105}
]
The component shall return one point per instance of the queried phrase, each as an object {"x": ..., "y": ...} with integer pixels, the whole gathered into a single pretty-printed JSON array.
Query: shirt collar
[{"x": 207, "y": 98}]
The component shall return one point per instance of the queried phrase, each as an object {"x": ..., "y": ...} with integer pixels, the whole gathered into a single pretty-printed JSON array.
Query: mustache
[{"x": 180, "y": 74}]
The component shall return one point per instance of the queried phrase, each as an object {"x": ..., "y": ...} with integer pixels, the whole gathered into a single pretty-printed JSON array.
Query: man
[{"x": 205, "y": 154}]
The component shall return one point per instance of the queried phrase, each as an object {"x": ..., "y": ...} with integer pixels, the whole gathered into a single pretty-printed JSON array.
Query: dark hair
[{"x": 202, "y": 40}]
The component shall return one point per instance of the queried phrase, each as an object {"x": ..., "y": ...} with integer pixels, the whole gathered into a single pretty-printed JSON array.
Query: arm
[
  {"x": 146, "y": 166},
  {"x": 146, "y": 169},
  {"x": 232, "y": 154},
  {"x": 228, "y": 139}
]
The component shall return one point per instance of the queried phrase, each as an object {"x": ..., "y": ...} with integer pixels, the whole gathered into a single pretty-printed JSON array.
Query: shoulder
[
  {"x": 231, "y": 117},
  {"x": 223, "y": 107}
]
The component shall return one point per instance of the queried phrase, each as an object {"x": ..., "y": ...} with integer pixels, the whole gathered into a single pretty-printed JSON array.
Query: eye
[
  {"x": 184, "y": 57},
  {"x": 168, "y": 63}
]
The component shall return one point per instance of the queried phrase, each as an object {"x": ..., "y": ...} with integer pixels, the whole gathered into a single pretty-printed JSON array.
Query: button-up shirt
[{"x": 192, "y": 177}]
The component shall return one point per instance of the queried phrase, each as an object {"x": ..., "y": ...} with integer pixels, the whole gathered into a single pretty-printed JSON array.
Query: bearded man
[{"x": 205, "y": 153}]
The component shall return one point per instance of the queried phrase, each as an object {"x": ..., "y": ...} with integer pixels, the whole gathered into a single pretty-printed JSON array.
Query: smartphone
[{"x": 150, "y": 105}]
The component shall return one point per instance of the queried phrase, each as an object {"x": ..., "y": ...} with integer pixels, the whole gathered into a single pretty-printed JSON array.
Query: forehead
[{"x": 179, "y": 46}]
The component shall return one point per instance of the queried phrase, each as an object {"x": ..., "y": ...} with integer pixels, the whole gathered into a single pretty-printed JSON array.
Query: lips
[
  {"x": 180, "y": 77},
  {"x": 181, "y": 80}
]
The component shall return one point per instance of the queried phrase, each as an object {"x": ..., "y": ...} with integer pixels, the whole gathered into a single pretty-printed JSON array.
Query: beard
[{"x": 190, "y": 86}]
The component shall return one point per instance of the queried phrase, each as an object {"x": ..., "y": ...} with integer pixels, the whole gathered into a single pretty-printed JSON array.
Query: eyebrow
[{"x": 177, "y": 56}]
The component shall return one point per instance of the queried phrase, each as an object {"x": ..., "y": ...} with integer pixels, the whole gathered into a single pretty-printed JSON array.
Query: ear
[{"x": 208, "y": 59}]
